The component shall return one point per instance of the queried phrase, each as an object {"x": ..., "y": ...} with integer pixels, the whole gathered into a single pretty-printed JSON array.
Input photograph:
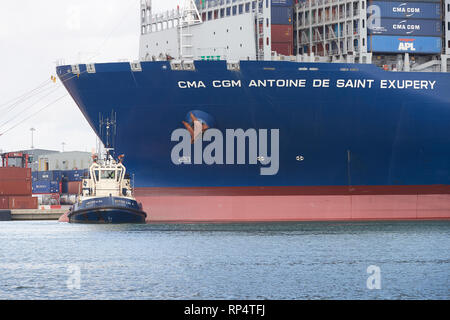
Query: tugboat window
[{"x": 108, "y": 174}]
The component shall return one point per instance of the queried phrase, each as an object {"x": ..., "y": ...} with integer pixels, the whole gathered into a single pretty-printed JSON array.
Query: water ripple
[{"x": 38, "y": 260}]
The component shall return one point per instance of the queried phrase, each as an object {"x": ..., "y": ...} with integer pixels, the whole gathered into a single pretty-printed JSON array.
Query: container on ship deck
[
  {"x": 281, "y": 15},
  {"x": 409, "y": 10},
  {"x": 15, "y": 187},
  {"x": 23, "y": 202},
  {"x": 282, "y": 33},
  {"x": 14, "y": 173},
  {"x": 283, "y": 3},
  {"x": 424, "y": 1},
  {"x": 406, "y": 27},
  {"x": 402, "y": 44},
  {"x": 284, "y": 48}
]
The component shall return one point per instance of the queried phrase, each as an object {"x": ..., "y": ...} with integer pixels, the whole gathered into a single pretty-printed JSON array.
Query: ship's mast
[{"x": 108, "y": 132}]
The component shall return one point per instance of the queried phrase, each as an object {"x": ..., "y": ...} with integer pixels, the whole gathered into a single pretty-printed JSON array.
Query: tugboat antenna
[{"x": 108, "y": 132}]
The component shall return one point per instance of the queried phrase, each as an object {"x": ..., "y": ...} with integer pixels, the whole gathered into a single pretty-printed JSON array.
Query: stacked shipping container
[
  {"x": 409, "y": 10},
  {"x": 47, "y": 182},
  {"x": 397, "y": 27},
  {"x": 23, "y": 202},
  {"x": 71, "y": 183},
  {"x": 50, "y": 187},
  {"x": 15, "y": 189},
  {"x": 282, "y": 31}
]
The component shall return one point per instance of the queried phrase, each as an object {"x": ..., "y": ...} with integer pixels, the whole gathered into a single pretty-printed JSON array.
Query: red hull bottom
[{"x": 242, "y": 204}]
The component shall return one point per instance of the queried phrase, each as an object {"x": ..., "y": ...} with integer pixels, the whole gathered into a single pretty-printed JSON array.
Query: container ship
[{"x": 243, "y": 111}]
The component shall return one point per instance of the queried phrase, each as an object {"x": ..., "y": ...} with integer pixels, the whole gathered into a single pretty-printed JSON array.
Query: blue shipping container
[
  {"x": 415, "y": 10},
  {"x": 283, "y": 3},
  {"x": 407, "y": 27},
  {"x": 47, "y": 175},
  {"x": 68, "y": 175},
  {"x": 281, "y": 15},
  {"x": 425, "y": 1},
  {"x": 396, "y": 44},
  {"x": 74, "y": 175},
  {"x": 42, "y": 186},
  {"x": 64, "y": 187},
  {"x": 57, "y": 175},
  {"x": 54, "y": 187},
  {"x": 45, "y": 186},
  {"x": 44, "y": 175}
]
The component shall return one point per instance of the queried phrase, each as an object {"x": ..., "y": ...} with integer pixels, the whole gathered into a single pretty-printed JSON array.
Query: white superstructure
[
  {"x": 227, "y": 32},
  {"x": 234, "y": 30},
  {"x": 106, "y": 178}
]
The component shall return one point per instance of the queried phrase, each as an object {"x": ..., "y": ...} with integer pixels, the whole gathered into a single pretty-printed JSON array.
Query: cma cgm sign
[{"x": 406, "y": 45}]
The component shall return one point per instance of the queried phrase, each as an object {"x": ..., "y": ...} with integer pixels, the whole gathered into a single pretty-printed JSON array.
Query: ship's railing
[
  {"x": 214, "y": 4},
  {"x": 165, "y": 16},
  {"x": 210, "y": 10},
  {"x": 162, "y": 21},
  {"x": 439, "y": 65},
  {"x": 315, "y": 3},
  {"x": 324, "y": 15}
]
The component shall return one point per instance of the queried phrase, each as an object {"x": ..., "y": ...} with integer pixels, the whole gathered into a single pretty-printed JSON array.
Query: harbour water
[{"x": 50, "y": 260}]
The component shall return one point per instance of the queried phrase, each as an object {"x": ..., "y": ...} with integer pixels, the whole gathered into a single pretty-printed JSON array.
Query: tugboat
[{"x": 107, "y": 196}]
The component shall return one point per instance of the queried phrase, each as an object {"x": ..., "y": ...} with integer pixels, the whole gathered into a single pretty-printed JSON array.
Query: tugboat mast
[{"x": 108, "y": 131}]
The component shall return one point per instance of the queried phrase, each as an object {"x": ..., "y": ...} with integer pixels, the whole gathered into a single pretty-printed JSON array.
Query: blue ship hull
[
  {"x": 392, "y": 140},
  {"x": 108, "y": 210}
]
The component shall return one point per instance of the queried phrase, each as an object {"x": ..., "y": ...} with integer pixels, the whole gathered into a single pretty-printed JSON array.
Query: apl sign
[
  {"x": 399, "y": 44},
  {"x": 406, "y": 45}
]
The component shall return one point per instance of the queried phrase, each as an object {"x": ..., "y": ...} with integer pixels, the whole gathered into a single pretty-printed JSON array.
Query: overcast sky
[{"x": 33, "y": 36}]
